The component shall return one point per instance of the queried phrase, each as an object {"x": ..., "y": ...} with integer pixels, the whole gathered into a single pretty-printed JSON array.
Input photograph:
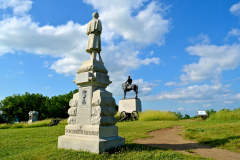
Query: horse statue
[{"x": 126, "y": 88}]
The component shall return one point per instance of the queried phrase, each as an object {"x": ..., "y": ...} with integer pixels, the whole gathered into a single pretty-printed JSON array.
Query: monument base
[
  {"x": 91, "y": 144},
  {"x": 129, "y": 105}
]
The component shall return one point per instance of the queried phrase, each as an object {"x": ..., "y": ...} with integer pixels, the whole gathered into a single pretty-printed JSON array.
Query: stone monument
[
  {"x": 91, "y": 123},
  {"x": 33, "y": 116},
  {"x": 130, "y": 104}
]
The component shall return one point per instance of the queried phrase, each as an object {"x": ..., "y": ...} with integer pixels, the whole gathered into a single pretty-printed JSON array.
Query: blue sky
[{"x": 183, "y": 54}]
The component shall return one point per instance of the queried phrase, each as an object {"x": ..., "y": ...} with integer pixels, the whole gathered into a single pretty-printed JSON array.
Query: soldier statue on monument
[
  {"x": 94, "y": 30},
  {"x": 91, "y": 123},
  {"x": 129, "y": 81}
]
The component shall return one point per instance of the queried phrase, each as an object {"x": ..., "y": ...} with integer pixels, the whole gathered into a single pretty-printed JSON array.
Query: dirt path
[{"x": 170, "y": 138}]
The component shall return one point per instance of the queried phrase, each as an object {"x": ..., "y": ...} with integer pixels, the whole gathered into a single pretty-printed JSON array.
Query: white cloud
[
  {"x": 180, "y": 109},
  {"x": 145, "y": 88},
  {"x": 148, "y": 26},
  {"x": 157, "y": 80},
  {"x": 50, "y": 75},
  {"x": 21, "y": 72},
  {"x": 192, "y": 94},
  {"x": 207, "y": 105},
  {"x": 213, "y": 60},
  {"x": 234, "y": 32},
  {"x": 20, "y": 62},
  {"x": 193, "y": 101},
  {"x": 173, "y": 57},
  {"x": 19, "y": 6},
  {"x": 228, "y": 102},
  {"x": 170, "y": 84},
  {"x": 237, "y": 96},
  {"x": 47, "y": 87},
  {"x": 6, "y": 75},
  {"x": 202, "y": 38},
  {"x": 150, "y": 53},
  {"x": 124, "y": 35},
  {"x": 192, "y": 109},
  {"x": 45, "y": 63},
  {"x": 235, "y": 9}
]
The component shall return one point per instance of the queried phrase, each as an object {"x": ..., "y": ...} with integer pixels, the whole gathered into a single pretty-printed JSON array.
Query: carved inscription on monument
[
  {"x": 84, "y": 108},
  {"x": 83, "y": 132},
  {"x": 128, "y": 103},
  {"x": 84, "y": 94}
]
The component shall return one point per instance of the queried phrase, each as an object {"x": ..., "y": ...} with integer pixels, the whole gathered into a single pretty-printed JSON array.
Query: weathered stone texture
[
  {"x": 72, "y": 111},
  {"x": 91, "y": 67},
  {"x": 73, "y": 103},
  {"x": 72, "y": 120},
  {"x": 103, "y": 111},
  {"x": 103, "y": 120},
  {"x": 103, "y": 101}
]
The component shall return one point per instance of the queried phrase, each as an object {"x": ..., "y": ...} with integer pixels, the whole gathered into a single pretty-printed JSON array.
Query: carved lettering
[
  {"x": 84, "y": 94},
  {"x": 83, "y": 132}
]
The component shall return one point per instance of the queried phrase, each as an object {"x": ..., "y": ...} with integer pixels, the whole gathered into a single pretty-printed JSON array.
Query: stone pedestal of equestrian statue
[
  {"x": 91, "y": 123},
  {"x": 130, "y": 104}
]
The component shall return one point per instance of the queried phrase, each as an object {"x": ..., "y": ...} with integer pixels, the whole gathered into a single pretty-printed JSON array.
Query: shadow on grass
[
  {"x": 219, "y": 142},
  {"x": 133, "y": 148},
  {"x": 180, "y": 147}
]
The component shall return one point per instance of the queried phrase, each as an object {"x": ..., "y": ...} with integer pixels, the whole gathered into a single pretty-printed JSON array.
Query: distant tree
[
  {"x": 209, "y": 112},
  {"x": 1, "y": 119},
  {"x": 18, "y": 106},
  {"x": 186, "y": 116},
  {"x": 180, "y": 116},
  {"x": 225, "y": 110},
  {"x": 116, "y": 107},
  {"x": 196, "y": 116}
]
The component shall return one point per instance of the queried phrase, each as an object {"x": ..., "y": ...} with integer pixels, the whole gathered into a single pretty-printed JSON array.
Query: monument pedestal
[
  {"x": 129, "y": 105},
  {"x": 91, "y": 144},
  {"x": 91, "y": 123}
]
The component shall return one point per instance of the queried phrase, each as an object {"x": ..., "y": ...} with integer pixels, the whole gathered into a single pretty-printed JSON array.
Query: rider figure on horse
[
  {"x": 128, "y": 86},
  {"x": 129, "y": 81}
]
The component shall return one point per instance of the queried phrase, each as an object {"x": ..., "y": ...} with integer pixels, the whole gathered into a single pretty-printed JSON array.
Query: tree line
[{"x": 18, "y": 106}]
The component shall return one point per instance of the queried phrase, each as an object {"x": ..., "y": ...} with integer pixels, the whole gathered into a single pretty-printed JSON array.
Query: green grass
[
  {"x": 41, "y": 143},
  {"x": 41, "y": 123},
  {"x": 189, "y": 151},
  {"x": 152, "y": 115},
  {"x": 225, "y": 115},
  {"x": 225, "y": 135}
]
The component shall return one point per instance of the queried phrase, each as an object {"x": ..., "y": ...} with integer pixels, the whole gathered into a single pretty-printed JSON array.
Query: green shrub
[
  {"x": 63, "y": 122},
  {"x": 5, "y": 126},
  {"x": 186, "y": 116},
  {"x": 17, "y": 125},
  {"x": 225, "y": 115},
  {"x": 178, "y": 114},
  {"x": 117, "y": 116},
  {"x": 153, "y": 115},
  {"x": 42, "y": 123}
]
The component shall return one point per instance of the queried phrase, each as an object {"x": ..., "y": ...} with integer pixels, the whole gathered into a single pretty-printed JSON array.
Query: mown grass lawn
[{"x": 41, "y": 142}]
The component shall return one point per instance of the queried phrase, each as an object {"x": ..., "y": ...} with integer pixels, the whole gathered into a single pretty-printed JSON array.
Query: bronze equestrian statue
[{"x": 128, "y": 86}]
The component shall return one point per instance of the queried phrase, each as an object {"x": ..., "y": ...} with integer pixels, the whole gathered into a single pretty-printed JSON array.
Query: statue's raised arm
[{"x": 94, "y": 30}]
